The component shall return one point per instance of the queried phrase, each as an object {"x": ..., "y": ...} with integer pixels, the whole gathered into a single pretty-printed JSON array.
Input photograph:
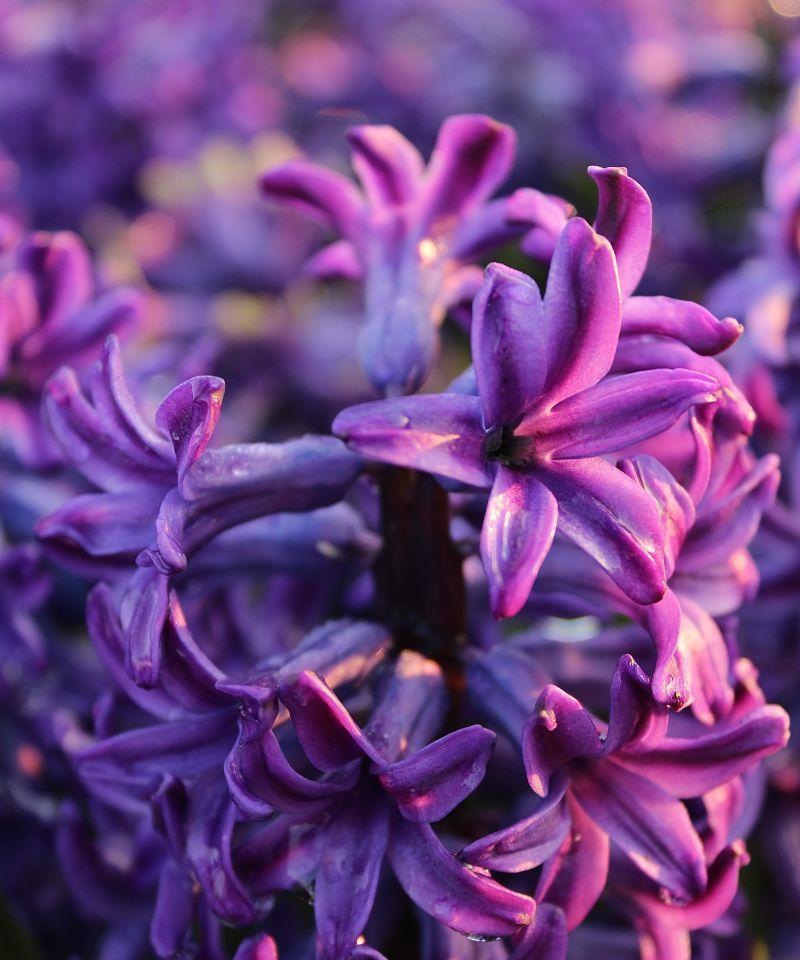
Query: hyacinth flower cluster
[{"x": 459, "y": 678}]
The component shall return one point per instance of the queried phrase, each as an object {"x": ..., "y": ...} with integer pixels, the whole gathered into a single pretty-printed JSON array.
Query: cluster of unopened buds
[{"x": 459, "y": 679}]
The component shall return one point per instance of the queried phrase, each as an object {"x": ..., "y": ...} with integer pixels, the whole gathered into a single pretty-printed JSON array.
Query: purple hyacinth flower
[
  {"x": 545, "y": 416},
  {"x": 165, "y": 495},
  {"x": 177, "y": 764},
  {"x": 414, "y": 230},
  {"x": 50, "y": 313},
  {"x": 709, "y": 573},
  {"x": 620, "y": 786},
  {"x": 380, "y": 789}
]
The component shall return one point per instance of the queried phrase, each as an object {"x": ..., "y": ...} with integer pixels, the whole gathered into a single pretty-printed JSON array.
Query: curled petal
[
  {"x": 507, "y": 345},
  {"x": 329, "y": 735},
  {"x": 672, "y": 681},
  {"x": 432, "y": 782},
  {"x": 731, "y": 522},
  {"x": 188, "y": 415},
  {"x": 339, "y": 260},
  {"x": 144, "y": 611},
  {"x": 126, "y": 770},
  {"x": 441, "y": 433},
  {"x": 261, "y": 779},
  {"x": 625, "y": 216},
  {"x": 680, "y": 320},
  {"x": 575, "y": 877},
  {"x": 723, "y": 882},
  {"x": 317, "y": 193},
  {"x": 465, "y": 900},
  {"x": 472, "y": 157},
  {"x": 340, "y": 651},
  {"x": 582, "y": 312},
  {"x": 88, "y": 441},
  {"x": 558, "y": 730},
  {"x": 691, "y": 766},
  {"x": 635, "y": 719},
  {"x": 104, "y": 524},
  {"x": 61, "y": 268},
  {"x": 517, "y": 534},
  {"x": 674, "y": 503},
  {"x": 545, "y": 938},
  {"x": 544, "y": 216},
  {"x": 388, "y": 166},
  {"x": 650, "y": 826},
  {"x": 610, "y": 517},
  {"x": 526, "y": 843},
  {"x": 703, "y": 654},
  {"x": 602, "y": 419}
]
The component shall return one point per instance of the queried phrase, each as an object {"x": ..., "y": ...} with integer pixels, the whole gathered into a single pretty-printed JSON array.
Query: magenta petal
[
  {"x": 575, "y": 877},
  {"x": 328, "y": 734},
  {"x": 261, "y": 779},
  {"x": 507, "y": 345},
  {"x": 348, "y": 873},
  {"x": 610, "y": 517},
  {"x": 388, "y": 166},
  {"x": 723, "y": 882},
  {"x": 465, "y": 900},
  {"x": 672, "y": 683},
  {"x": 432, "y": 782},
  {"x": 704, "y": 657},
  {"x": 646, "y": 822},
  {"x": 681, "y": 320},
  {"x": 472, "y": 157},
  {"x": 259, "y": 947},
  {"x": 441, "y": 433},
  {"x": 674, "y": 503},
  {"x": 545, "y": 938},
  {"x": 517, "y": 534},
  {"x": 730, "y": 522},
  {"x": 621, "y": 411},
  {"x": 62, "y": 269},
  {"x": 558, "y": 730},
  {"x": 691, "y": 766},
  {"x": 634, "y": 717},
  {"x": 339, "y": 260},
  {"x": 526, "y": 843},
  {"x": 318, "y": 193},
  {"x": 188, "y": 415},
  {"x": 625, "y": 216},
  {"x": 582, "y": 312}
]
